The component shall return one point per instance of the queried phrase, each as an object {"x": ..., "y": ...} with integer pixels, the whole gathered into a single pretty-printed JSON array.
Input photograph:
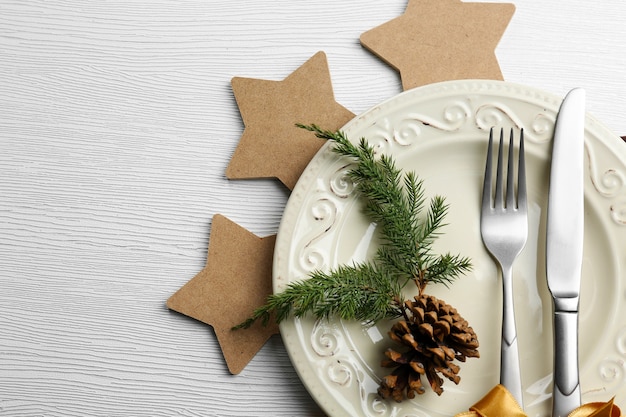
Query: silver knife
[{"x": 564, "y": 247}]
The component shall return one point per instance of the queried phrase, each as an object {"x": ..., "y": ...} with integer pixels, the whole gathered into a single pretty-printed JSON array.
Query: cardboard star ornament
[
  {"x": 442, "y": 40},
  {"x": 271, "y": 145},
  {"x": 237, "y": 278}
]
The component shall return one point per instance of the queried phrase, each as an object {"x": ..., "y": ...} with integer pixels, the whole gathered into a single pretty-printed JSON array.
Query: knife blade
[{"x": 564, "y": 247}]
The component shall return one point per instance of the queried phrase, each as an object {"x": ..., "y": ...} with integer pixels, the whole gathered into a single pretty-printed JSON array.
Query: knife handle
[
  {"x": 510, "y": 374},
  {"x": 566, "y": 391}
]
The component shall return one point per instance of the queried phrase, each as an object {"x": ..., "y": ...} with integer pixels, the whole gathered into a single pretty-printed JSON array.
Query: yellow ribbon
[{"x": 499, "y": 402}]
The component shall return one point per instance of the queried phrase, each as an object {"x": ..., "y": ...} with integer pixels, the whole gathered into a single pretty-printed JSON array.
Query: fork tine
[
  {"x": 486, "y": 203},
  {"x": 499, "y": 201},
  {"x": 510, "y": 184},
  {"x": 521, "y": 176}
]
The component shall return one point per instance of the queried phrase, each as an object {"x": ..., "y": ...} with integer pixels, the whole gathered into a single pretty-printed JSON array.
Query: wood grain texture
[{"x": 117, "y": 122}]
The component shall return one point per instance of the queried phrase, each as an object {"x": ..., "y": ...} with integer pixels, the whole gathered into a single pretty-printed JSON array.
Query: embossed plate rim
[{"x": 335, "y": 401}]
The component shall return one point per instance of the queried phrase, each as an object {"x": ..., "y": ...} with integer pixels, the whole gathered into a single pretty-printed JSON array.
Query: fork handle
[{"x": 510, "y": 375}]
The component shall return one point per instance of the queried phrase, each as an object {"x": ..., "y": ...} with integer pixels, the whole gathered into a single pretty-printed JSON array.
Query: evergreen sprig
[
  {"x": 372, "y": 290},
  {"x": 362, "y": 292}
]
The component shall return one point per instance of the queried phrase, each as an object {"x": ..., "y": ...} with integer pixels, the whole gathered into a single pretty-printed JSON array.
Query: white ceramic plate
[{"x": 440, "y": 131}]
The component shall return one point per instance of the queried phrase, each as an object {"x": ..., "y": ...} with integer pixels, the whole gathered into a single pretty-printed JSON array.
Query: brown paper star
[
  {"x": 235, "y": 280},
  {"x": 442, "y": 40},
  {"x": 271, "y": 145}
]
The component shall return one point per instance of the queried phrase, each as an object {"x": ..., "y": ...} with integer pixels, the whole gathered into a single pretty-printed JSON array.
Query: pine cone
[{"x": 433, "y": 334}]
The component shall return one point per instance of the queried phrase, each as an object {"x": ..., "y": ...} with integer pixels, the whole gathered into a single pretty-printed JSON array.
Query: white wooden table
[{"x": 117, "y": 121}]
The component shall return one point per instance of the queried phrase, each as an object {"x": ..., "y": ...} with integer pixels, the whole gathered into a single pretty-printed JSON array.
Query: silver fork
[{"x": 504, "y": 230}]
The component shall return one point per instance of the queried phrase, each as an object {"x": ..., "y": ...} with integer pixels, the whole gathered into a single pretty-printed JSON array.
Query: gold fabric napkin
[{"x": 499, "y": 402}]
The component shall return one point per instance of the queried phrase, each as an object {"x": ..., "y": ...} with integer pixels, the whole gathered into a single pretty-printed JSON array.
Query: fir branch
[
  {"x": 371, "y": 291},
  {"x": 364, "y": 292},
  {"x": 407, "y": 236}
]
